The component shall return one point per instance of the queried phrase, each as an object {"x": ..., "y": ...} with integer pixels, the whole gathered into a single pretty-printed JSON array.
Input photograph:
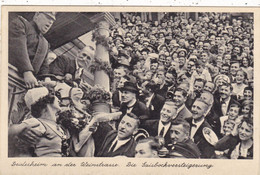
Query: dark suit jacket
[
  {"x": 139, "y": 109},
  {"x": 155, "y": 106},
  {"x": 27, "y": 47},
  {"x": 216, "y": 113},
  {"x": 163, "y": 91},
  {"x": 63, "y": 65},
  {"x": 115, "y": 99},
  {"x": 184, "y": 113},
  {"x": 127, "y": 149},
  {"x": 206, "y": 149},
  {"x": 151, "y": 126},
  {"x": 217, "y": 106}
]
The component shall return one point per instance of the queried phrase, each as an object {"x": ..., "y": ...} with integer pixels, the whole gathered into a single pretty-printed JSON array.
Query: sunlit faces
[
  {"x": 240, "y": 76},
  {"x": 198, "y": 86},
  {"x": 198, "y": 110},
  {"x": 121, "y": 82},
  {"x": 56, "y": 104},
  {"x": 127, "y": 96},
  {"x": 128, "y": 41},
  {"x": 236, "y": 50},
  {"x": 245, "y": 109},
  {"x": 179, "y": 98},
  {"x": 161, "y": 75},
  {"x": 248, "y": 94},
  {"x": 228, "y": 126},
  {"x": 85, "y": 56},
  {"x": 245, "y": 131},
  {"x": 168, "y": 61},
  {"x": 206, "y": 46},
  {"x": 233, "y": 113},
  {"x": 153, "y": 66},
  {"x": 245, "y": 62},
  {"x": 178, "y": 134},
  {"x": 182, "y": 61},
  {"x": 204, "y": 57},
  {"x": 225, "y": 92},
  {"x": 199, "y": 69},
  {"x": 167, "y": 113},
  {"x": 169, "y": 79},
  {"x": 209, "y": 86},
  {"x": 224, "y": 69},
  {"x": 207, "y": 97},
  {"x": 190, "y": 65},
  {"x": 144, "y": 150},
  {"x": 148, "y": 75},
  {"x": 234, "y": 68},
  {"x": 119, "y": 72},
  {"x": 43, "y": 22},
  {"x": 127, "y": 127}
]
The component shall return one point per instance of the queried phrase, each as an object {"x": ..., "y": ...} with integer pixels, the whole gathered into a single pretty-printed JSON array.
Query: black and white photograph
[
  {"x": 136, "y": 88},
  {"x": 132, "y": 84}
]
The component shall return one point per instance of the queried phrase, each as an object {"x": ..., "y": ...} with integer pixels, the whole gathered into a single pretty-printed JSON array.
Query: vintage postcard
[{"x": 129, "y": 90}]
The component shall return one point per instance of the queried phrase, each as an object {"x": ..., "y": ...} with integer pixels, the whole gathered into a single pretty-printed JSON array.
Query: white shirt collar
[
  {"x": 149, "y": 100},
  {"x": 166, "y": 127},
  {"x": 120, "y": 142}
]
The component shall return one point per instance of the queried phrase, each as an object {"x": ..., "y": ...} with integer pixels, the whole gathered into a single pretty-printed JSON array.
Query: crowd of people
[{"x": 181, "y": 88}]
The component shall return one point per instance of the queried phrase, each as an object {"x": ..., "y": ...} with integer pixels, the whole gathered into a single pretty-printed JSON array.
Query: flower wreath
[
  {"x": 98, "y": 65},
  {"x": 99, "y": 94}
]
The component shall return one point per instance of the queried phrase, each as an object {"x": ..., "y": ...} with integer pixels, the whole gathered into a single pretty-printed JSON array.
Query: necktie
[
  {"x": 162, "y": 131},
  {"x": 113, "y": 147}
]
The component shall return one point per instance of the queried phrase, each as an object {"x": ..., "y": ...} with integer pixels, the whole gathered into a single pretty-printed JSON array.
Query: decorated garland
[
  {"x": 100, "y": 39},
  {"x": 98, "y": 65},
  {"x": 99, "y": 94}
]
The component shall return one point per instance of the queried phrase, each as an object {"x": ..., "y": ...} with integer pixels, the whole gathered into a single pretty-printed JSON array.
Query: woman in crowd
[
  {"x": 52, "y": 139},
  {"x": 241, "y": 145},
  {"x": 239, "y": 85}
]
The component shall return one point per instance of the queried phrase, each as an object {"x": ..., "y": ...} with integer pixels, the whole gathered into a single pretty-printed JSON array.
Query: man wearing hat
[
  {"x": 130, "y": 102},
  {"x": 28, "y": 47},
  {"x": 181, "y": 143}
]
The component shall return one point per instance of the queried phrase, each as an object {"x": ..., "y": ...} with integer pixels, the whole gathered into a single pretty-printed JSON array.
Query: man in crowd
[
  {"x": 121, "y": 142},
  {"x": 130, "y": 102},
  {"x": 179, "y": 133},
  {"x": 198, "y": 123},
  {"x": 179, "y": 98},
  {"x": 147, "y": 148},
  {"x": 162, "y": 126},
  {"x": 68, "y": 68},
  {"x": 27, "y": 46}
]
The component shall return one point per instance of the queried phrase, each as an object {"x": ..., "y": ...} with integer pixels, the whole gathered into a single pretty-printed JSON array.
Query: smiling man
[
  {"x": 69, "y": 68},
  {"x": 162, "y": 126},
  {"x": 197, "y": 123},
  {"x": 180, "y": 97},
  {"x": 121, "y": 142}
]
